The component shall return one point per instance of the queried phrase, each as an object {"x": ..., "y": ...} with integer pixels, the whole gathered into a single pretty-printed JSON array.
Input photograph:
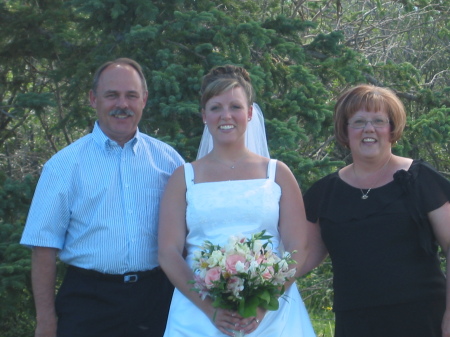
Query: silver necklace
[
  {"x": 235, "y": 163},
  {"x": 366, "y": 195}
]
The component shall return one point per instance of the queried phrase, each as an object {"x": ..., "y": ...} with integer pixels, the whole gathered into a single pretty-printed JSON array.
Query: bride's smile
[{"x": 227, "y": 115}]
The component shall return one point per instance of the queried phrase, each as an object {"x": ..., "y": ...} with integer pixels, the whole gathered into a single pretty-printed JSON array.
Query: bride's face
[{"x": 227, "y": 115}]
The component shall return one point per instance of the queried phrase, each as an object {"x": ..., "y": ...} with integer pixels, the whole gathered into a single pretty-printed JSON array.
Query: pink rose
[
  {"x": 231, "y": 261},
  {"x": 212, "y": 276}
]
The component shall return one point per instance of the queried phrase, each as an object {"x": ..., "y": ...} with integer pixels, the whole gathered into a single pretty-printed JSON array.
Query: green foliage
[
  {"x": 428, "y": 134},
  {"x": 312, "y": 285},
  {"x": 301, "y": 55},
  {"x": 317, "y": 293},
  {"x": 17, "y": 310}
]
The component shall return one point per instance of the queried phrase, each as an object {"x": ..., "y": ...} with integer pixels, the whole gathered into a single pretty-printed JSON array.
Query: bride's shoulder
[
  {"x": 283, "y": 173},
  {"x": 199, "y": 164},
  {"x": 178, "y": 173},
  {"x": 282, "y": 167},
  {"x": 257, "y": 159}
]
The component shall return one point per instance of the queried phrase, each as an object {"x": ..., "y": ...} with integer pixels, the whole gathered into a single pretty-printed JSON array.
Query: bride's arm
[
  {"x": 171, "y": 243},
  {"x": 172, "y": 237},
  {"x": 297, "y": 234}
]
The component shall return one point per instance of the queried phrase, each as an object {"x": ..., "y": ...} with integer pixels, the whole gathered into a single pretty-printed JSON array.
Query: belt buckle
[{"x": 130, "y": 278}]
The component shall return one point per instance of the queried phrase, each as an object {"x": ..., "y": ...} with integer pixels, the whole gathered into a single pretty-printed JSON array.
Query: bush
[{"x": 17, "y": 309}]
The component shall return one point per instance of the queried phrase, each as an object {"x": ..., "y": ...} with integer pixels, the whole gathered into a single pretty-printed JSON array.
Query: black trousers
[
  {"x": 417, "y": 319},
  {"x": 89, "y": 306}
]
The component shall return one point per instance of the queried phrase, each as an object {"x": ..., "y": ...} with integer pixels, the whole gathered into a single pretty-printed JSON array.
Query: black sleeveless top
[{"x": 382, "y": 249}]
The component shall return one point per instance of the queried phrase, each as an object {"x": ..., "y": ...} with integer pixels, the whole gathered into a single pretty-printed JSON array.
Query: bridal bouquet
[{"x": 243, "y": 275}]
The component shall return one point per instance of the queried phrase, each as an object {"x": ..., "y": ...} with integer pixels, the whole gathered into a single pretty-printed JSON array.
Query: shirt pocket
[{"x": 148, "y": 211}]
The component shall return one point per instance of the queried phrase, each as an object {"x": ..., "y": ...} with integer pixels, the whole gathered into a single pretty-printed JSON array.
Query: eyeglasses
[{"x": 361, "y": 123}]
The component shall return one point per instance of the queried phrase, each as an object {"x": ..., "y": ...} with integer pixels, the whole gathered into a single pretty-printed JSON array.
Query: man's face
[{"x": 119, "y": 102}]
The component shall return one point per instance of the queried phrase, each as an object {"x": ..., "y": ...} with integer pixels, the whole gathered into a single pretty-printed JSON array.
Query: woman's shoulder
[
  {"x": 329, "y": 179},
  {"x": 282, "y": 167},
  {"x": 401, "y": 162},
  {"x": 427, "y": 183},
  {"x": 258, "y": 159},
  {"x": 284, "y": 176},
  {"x": 179, "y": 174},
  {"x": 319, "y": 193},
  {"x": 421, "y": 169},
  {"x": 322, "y": 187},
  {"x": 424, "y": 172},
  {"x": 180, "y": 169},
  {"x": 421, "y": 164}
]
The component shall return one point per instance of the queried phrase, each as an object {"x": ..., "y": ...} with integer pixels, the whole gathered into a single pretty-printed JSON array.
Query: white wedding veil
[{"x": 255, "y": 136}]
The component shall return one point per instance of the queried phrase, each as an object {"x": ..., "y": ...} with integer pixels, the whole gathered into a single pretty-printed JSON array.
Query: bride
[{"x": 231, "y": 190}]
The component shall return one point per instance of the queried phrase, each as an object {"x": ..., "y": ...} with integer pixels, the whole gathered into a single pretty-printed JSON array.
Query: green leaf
[{"x": 248, "y": 307}]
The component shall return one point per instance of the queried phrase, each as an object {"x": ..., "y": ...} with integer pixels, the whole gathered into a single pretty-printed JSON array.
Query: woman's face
[
  {"x": 226, "y": 115},
  {"x": 369, "y": 141}
]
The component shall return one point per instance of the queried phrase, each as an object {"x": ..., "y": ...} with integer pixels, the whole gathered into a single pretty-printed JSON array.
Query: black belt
[{"x": 130, "y": 277}]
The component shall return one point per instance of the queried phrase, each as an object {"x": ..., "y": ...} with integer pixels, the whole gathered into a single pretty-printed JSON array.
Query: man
[{"x": 97, "y": 205}]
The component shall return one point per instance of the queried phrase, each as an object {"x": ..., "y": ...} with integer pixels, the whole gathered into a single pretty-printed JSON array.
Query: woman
[
  {"x": 228, "y": 191},
  {"x": 381, "y": 219}
]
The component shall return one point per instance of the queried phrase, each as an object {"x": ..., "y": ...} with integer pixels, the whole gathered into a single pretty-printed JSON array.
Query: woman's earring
[{"x": 249, "y": 119}]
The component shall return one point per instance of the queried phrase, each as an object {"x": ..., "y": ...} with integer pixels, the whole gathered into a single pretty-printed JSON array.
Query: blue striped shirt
[{"x": 98, "y": 203}]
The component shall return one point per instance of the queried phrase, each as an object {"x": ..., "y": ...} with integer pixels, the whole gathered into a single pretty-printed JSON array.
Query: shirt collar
[{"x": 108, "y": 144}]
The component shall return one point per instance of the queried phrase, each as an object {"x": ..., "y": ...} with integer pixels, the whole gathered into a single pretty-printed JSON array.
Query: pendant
[{"x": 364, "y": 196}]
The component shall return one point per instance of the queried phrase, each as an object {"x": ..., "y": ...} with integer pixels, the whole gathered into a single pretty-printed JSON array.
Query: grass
[
  {"x": 323, "y": 326},
  {"x": 317, "y": 293}
]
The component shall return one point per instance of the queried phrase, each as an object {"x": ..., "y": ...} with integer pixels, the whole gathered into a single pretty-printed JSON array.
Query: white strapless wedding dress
[{"x": 216, "y": 210}]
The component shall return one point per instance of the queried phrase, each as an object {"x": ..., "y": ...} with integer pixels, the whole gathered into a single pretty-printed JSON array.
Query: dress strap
[
  {"x": 188, "y": 174},
  {"x": 272, "y": 169}
]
